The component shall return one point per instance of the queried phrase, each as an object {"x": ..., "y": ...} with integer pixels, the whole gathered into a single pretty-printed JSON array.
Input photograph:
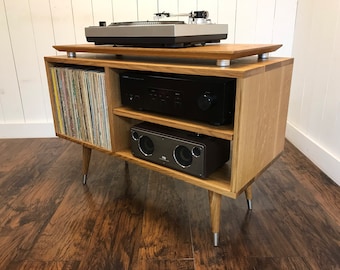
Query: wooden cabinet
[{"x": 257, "y": 135}]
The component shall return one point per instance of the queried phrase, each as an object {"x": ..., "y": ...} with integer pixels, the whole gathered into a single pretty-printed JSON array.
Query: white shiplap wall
[
  {"x": 314, "y": 112},
  {"x": 29, "y": 28}
]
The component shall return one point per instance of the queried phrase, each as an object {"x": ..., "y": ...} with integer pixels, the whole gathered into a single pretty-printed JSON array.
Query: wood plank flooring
[{"x": 127, "y": 217}]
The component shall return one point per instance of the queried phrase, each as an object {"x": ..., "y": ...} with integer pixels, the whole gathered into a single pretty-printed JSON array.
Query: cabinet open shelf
[
  {"x": 218, "y": 182},
  {"x": 223, "y": 132},
  {"x": 84, "y": 143}
]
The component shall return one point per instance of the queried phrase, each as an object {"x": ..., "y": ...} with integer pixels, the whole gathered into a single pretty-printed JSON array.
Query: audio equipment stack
[{"x": 202, "y": 98}]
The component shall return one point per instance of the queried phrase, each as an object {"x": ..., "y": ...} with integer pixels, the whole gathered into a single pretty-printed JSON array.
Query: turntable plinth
[{"x": 221, "y": 53}]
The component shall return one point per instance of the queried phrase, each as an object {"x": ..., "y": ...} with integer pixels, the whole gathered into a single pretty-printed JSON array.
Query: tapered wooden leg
[
  {"x": 215, "y": 214},
  {"x": 249, "y": 197},
  {"x": 126, "y": 168},
  {"x": 86, "y": 162}
]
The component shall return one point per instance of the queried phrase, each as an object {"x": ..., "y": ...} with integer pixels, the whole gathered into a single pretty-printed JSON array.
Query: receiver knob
[{"x": 206, "y": 100}]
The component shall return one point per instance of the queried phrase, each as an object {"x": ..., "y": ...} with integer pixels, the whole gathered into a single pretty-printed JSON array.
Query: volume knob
[{"x": 206, "y": 101}]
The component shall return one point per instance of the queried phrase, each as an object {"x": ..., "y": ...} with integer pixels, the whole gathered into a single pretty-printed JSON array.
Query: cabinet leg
[
  {"x": 249, "y": 197},
  {"x": 215, "y": 214},
  {"x": 127, "y": 174},
  {"x": 86, "y": 162}
]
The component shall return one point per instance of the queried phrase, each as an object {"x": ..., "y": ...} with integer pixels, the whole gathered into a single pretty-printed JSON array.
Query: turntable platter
[{"x": 145, "y": 23}]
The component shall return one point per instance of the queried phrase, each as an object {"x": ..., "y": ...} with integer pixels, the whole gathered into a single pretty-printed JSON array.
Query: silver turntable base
[{"x": 156, "y": 34}]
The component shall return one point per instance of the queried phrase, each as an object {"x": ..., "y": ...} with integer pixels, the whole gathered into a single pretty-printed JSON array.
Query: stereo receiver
[
  {"x": 200, "y": 98},
  {"x": 198, "y": 155}
]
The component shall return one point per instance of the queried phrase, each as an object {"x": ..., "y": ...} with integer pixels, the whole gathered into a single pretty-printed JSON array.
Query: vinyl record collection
[{"x": 81, "y": 104}]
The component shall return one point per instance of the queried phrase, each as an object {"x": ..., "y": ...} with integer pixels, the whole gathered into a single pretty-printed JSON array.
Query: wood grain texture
[
  {"x": 24, "y": 193},
  {"x": 166, "y": 231},
  {"x": 240, "y": 68},
  {"x": 52, "y": 96},
  {"x": 248, "y": 193},
  {"x": 213, "y": 182},
  {"x": 116, "y": 233},
  {"x": 130, "y": 218},
  {"x": 260, "y": 113},
  {"x": 223, "y": 132},
  {"x": 210, "y": 51},
  {"x": 215, "y": 209}
]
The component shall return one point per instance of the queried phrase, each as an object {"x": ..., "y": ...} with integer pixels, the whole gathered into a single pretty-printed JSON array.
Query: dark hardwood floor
[{"x": 130, "y": 218}]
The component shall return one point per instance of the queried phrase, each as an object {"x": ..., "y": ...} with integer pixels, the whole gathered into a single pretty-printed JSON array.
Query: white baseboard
[
  {"x": 27, "y": 130},
  {"x": 322, "y": 158}
]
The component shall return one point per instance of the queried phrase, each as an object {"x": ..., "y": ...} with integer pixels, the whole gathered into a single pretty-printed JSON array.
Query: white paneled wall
[
  {"x": 314, "y": 113},
  {"x": 29, "y": 28},
  {"x": 11, "y": 109}
]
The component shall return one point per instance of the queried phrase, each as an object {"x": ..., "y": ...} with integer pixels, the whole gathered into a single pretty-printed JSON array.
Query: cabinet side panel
[
  {"x": 51, "y": 88},
  {"x": 260, "y": 122},
  {"x": 113, "y": 99},
  {"x": 283, "y": 109}
]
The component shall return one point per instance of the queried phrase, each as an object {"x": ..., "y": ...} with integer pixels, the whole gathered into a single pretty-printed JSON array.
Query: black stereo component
[
  {"x": 198, "y": 155},
  {"x": 207, "y": 99}
]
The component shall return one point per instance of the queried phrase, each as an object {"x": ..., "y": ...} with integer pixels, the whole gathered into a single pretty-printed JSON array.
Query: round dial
[{"x": 206, "y": 101}]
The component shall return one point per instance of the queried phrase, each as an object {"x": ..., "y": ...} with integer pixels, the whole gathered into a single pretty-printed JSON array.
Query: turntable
[{"x": 158, "y": 33}]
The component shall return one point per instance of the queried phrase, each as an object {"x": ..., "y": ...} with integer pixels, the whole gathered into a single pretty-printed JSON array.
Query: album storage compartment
[
  {"x": 87, "y": 107},
  {"x": 81, "y": 104}
]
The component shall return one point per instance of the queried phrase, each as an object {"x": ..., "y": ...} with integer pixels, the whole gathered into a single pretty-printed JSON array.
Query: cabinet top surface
[{"x": 210, "y": 51}]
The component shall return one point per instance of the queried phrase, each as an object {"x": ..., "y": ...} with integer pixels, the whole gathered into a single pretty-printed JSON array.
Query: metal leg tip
[
  {"x": 84, "y": 179},
  {"x": 250, "y": 207},
  {"x": 216, "y": 239}
]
